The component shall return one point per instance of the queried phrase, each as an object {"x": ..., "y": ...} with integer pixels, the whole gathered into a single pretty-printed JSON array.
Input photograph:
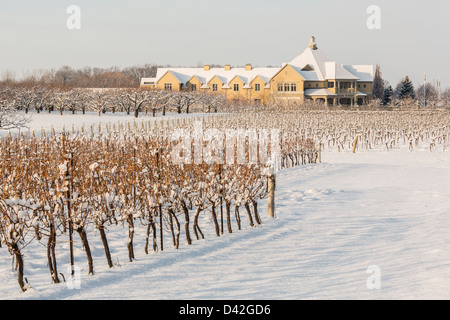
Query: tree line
[
  {"x": 40, "y": 98},
  {"x": 87, "y": 77},
  {"x": 404, "y": 93}
]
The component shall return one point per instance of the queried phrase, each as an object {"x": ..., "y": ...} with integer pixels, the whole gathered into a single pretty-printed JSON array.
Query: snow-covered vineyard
[{"x": 143, "y": 208}]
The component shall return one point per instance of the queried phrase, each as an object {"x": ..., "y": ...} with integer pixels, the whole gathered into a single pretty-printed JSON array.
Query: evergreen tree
[
  {"x": 405, "y": 89},
  {"x": 388, "y": 92},
  {"x": 378, "y": 84}
]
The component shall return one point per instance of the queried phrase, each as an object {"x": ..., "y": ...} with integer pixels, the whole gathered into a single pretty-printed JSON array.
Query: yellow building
[{"x": 311, "y": 75}]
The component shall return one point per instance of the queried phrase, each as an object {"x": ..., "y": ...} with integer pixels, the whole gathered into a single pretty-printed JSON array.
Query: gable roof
[
  {"x": 201, "y": 79},
  {"x": 181, "y": 78},
  {"x": 314, "y": 60},
  {"x": 286, "y": 65},
  {"x": 183, "y": 75}
]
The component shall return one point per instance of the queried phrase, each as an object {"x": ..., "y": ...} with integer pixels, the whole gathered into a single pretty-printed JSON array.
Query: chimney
[
  {"x": 227, "y": 67},
  {"x": 312, "y": 43},
  {"x": 248, "y": 67},
  {"x": 206, "y": 67}
]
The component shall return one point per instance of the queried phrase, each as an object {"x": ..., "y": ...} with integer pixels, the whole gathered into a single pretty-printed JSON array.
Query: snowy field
[
  {"x": 54, "y": 121},
  {"x": 338, "y": 223},
  {"x": 334, "y": 220}
]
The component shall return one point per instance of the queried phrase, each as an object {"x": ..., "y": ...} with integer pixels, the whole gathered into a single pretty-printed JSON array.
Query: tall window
[
  {"x": 194, "y": 87},
  {"x": 168, "y": 86},
  {"x": 280, "y": 87},
  {"x": 287, "y": 86},
  {"x": 236, "y": 87},
  {"x": 257, "y": 87},
  {"x": 293, "y": 87},
  {"x": 214, "y": 87}
]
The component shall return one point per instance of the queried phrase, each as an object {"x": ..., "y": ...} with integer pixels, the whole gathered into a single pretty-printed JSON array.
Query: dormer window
[{"x": 308, "y": 67}]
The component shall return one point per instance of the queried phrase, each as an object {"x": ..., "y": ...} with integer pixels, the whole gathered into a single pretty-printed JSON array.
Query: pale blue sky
[{"x": 413, "y": 38}]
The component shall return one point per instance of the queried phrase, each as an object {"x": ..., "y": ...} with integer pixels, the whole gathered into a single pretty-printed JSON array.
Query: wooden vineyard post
[
  {"x": 271, "y": 179},
  {"x": 355, "y": 144},
  {"x": 66, "y": 167},
  {"x": 160, "y": 206},
  {"x": 320, "y": 153}
]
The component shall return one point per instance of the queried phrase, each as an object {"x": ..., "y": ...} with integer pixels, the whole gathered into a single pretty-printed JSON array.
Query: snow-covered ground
[
  {"x": 68, "y": 121},
  {"x": 342, "y": 227}
]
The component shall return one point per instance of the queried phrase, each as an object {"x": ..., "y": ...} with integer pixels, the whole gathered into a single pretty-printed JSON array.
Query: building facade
[{"x": 309, "y": 76}]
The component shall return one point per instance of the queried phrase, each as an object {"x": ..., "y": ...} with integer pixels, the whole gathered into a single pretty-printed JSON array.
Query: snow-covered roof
[
  {"x": 318, "y": 92},
  {"x": 201, "y": 79},
  {"x": 307, "y": 75},
  {"x": 145, "y": 81},
  {"x": 323, "y": 67},
  {"x": 312, "y": 64},
  {"x": 313, "y": 58},
  {"x": 363, "y": 72},
  {"x": 183, "y": 75},
  {"x": 337, "y": 71}
]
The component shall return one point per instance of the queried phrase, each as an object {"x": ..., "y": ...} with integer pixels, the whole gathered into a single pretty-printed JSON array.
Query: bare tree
[
  {"x": 138, "y": 98},
  {"x": 99, "y": 101},
  {"x": 177, "y": 101},
  {"x": 60, "y": 99},
  {"x": 24, "y": 98},
  {"x": 11, "y": 118},
  {"x": 211, "y": 102},
  {"x": 190, "y": 98},
  {"x": 41, "y": 97},
  {"x": 120, "y": 99},
  {"x": 156, "y": 100}
]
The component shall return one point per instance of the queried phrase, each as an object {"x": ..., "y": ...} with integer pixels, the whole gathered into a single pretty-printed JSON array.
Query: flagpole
[{"x": 424, "y": 90}]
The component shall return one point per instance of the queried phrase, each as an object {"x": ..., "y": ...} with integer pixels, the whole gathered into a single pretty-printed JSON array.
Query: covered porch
[{"x": 324, "y": 96}]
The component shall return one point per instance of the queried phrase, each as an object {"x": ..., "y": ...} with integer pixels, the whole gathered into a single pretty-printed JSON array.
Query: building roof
[
  {"x": 145, "y": 81},
  {"x": 312, "y": 64},
  {"x": 183, "y": 75},
  {"x": 363, "y": 72},
  {"x": 318, "y": 92},
  {"x": 323, "y": 67}
]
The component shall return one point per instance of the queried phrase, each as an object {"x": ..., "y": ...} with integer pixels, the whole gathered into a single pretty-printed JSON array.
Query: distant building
[{"x": 310, "y": 75}]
